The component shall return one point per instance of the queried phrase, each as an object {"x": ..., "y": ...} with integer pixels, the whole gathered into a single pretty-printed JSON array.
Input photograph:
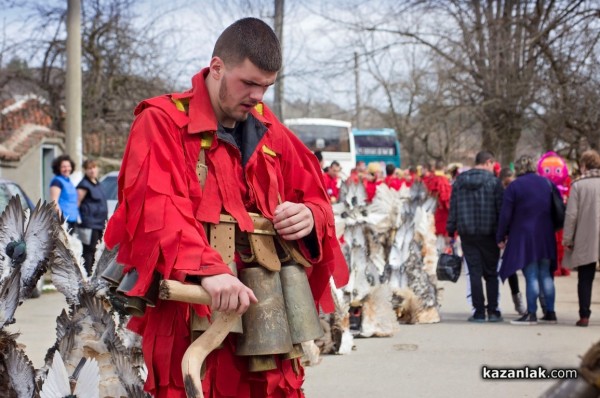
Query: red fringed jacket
[
  {"x": 157, "y": 224},
  {"x": 440, "y": 187}
]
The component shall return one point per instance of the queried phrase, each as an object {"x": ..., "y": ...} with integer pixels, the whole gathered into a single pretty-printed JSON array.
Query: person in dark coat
[
  {"x": 526, "y": 233},
  {"x": 93, "y": 210},
  {"x": 474, "y": 208}
]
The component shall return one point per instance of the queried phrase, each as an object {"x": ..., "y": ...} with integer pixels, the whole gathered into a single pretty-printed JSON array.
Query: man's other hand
[
  {"x": 228, "y": 293},
  {"x": 293, "y": 220}
]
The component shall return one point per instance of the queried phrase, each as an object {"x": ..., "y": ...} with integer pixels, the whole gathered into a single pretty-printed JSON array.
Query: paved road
[{"x": 440, "y": 360}]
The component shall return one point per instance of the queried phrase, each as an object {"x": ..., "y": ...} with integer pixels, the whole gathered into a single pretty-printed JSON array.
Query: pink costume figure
[{"x": 554, "y": 167}]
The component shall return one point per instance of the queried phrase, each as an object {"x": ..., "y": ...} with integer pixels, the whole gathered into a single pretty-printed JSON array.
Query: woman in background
[
  {"x": 581, "y": 233},
  {"x": 93, "y": 210},
  {"x": 63, "y": 192},
  {"x": 526, "y": 233}
]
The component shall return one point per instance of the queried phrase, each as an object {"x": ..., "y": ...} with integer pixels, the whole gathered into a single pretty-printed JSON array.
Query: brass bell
[
  {"x": 135, "y": 306},
  {"x": 266, "y": 330},
  {"x": 300, "y": 306},
  {"x": 113, "y": 273},
  {"x": 128, "y": 282},
  {"x": 296, "y": 352},
  {"x": 261, "y": 363},
  {"x": 152, "y": 293}
]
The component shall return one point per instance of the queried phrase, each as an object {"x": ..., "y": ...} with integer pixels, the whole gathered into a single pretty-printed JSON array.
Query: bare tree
[
  {"x": 494, "y": 49},
  {"x": 120, "y": 65}
]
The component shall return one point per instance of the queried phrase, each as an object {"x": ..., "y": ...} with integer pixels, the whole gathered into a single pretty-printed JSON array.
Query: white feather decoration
[{"x": 56, "y": 384}]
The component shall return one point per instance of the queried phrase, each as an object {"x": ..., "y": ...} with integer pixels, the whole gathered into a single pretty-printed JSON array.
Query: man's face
[
  {"x": 334, "y": 171},
  {"x": 241, "y": 87}
]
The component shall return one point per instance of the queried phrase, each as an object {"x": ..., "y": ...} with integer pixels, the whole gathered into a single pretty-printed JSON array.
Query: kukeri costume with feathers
[
  {"x": 88, "y": 358},
  {"x": 390, "y": 246}
]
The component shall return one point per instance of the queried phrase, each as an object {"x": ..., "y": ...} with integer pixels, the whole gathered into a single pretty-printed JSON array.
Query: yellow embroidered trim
[
  {"x": 268, "y": 151},
  {"x": 178, "y": 104},
  {"x": 259, "y": 108},
  {"x": 206, "y": 141}
]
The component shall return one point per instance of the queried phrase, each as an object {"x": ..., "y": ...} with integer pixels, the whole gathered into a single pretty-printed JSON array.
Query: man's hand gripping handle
[{"x": 197, "y": 352}]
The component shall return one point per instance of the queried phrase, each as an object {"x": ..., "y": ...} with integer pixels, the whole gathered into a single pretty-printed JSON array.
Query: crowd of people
[
  {"x": 501, "y": 220},
  {"x": 84, "y": 207}
]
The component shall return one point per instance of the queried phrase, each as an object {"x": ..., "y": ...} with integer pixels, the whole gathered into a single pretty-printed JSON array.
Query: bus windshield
[
  {"x": 379, "y": 145},
  {"x": 322, "y": 137}
]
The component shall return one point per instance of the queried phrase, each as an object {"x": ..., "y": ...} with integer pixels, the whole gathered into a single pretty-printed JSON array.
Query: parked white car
[{"x": 108, "y": 182}]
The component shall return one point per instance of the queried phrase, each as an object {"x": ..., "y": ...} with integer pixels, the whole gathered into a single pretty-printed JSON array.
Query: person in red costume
[
  {"x": 332, "y": 181},
  {"x": 253, "y": 163},
  {"x": 439, "y": 186},
  {"x": 554, "y": 167},
  {"x": 391, "y": 179},
  {"x": 372, "y": 179}
]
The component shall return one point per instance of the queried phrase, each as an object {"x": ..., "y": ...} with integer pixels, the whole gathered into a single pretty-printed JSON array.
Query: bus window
[
  {"x": 379, "y": 145},
  {"x": 332, "y": 137},
  {"x": 323, "y": 138}
]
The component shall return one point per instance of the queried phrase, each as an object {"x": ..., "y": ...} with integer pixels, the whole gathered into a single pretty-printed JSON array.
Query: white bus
[{"x": 332, "y": 137}]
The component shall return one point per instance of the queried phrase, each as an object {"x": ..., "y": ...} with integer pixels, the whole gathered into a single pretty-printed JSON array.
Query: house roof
[
  {"x": 24, "y": 123},
  {"x": 14, "y": 144}
]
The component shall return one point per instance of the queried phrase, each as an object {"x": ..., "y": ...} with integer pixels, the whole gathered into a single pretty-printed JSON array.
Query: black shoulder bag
[{"x": 558, "y": 208}]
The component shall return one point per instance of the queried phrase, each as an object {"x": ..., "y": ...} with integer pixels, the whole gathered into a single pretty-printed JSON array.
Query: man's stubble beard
[{"x": 223, "y": 93}]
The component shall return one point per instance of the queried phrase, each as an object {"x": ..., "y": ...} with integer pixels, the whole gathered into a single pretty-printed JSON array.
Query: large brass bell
[
  {"x": 135, "y": 306},
  {"x": 266, "y": 330},
  {"x": 300, "y": 307},
  {"x": 113, "y": 273}
]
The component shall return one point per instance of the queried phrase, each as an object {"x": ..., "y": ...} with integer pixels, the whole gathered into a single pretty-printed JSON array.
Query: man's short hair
[
  {"x": 506, "y": 172},
  {"x": 249, "y": 38},
  {"x": 319, "y": 155},
  {"x": 439, "y": 165},
  {"x": 335, "y": 163},
  {"x": 483, "y": 157},
  {"x": 389, "y": 169}
]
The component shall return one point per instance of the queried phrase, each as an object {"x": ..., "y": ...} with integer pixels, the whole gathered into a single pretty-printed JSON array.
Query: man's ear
[{"x": 217, "y": 68}]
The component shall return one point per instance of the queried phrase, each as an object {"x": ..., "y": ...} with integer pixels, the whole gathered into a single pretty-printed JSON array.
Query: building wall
[{"x": 29, "y": 171}]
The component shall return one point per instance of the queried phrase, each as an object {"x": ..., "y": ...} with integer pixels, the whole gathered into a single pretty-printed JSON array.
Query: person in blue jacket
[
  {"x": 62, "y": 190},
  {"x": 93, "y": 210}
]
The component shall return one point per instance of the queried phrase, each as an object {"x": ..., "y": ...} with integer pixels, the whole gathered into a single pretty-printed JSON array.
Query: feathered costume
[
  {"x": 158, "y": 226},
  {"x": 554, "y": 167}
]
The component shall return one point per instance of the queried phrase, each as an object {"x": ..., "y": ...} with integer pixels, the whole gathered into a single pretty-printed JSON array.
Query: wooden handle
[
  {"x": 188, "y": 293},
  {"x": 191, "y": 364}
]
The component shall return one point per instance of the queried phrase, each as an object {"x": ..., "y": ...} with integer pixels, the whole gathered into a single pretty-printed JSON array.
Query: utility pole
[
  {"x": 278, "y": 94},
  {"x": 73, "y": 86},
  {"x": 356, "y": 92}
]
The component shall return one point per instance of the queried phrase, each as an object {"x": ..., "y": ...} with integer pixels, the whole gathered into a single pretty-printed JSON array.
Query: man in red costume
[
  {"x": 332, "y": 181},
  {"x": 251, "y": 163},
  {"x": 439, "y": 186}
]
